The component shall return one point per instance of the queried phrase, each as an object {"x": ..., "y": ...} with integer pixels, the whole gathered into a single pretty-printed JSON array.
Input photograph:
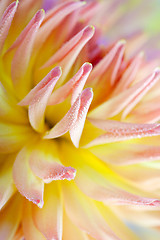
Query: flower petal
[
  {"x": 147, "y": 217},
  {"x": 129, "y": 74},
  {"x": 13, "y": 136},
  {"x": 116, "y": 223},
  {"x": 10, "y": 218},
  {"x": 65, "y": 124},
  {"x": 7, "y": 188},
  {"x": 44, "y": 162},
  {"x": 126, "y": 154},
  {"x": 112, "y": 59},
  {"x": 29, "y": 228},
  {"x": 67, "y": 54},
  {"x": 133, "y": 94},
  {"x": 6, "y": 22},
  {"x": 143, "y": 176},
  {"x": 70, "y": 231},
  {"x": 38, "y": 97},
  {"x": 49, "y": 219},
  {"x": 89, "y": 219},
  {"x": 9, "y": 111},
  {"x": 26, "y": 182},
  {"x": 120, "y": 131},
  {"x": 154, "y": 78},
  {"x": 74, "y": 86},
  {"x": 4, "y": 5},
  {"x": 77, "y": 128},
  {"x": 100, "y": 182},
  {"x": 108, "y": 193},
  {"x": 24, "y": 44},
  {"x": 53, "y": 18}
]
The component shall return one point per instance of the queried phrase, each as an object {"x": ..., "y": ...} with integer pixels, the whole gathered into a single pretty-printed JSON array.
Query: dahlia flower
[{"x": 79, "y": 122}]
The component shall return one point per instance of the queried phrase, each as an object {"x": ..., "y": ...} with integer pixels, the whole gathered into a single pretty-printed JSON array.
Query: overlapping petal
[
  {"x": 37, "y": 99},
  {"x": 29, "y": 228},
  {"x": 67, "y": 54},
  {"x": 89, "y": 218},
  {"x": 74, "y": 119},
  {"x": 9, "y": 221},
  {"x": 116, "y": 172},
  {"x": 48, "y": 220},
  {"x": 45, "y": 163},
  {"x": 6, "y": 22},
  {"x": 129, "y": 97},
  {"x": 7, "y": 188},
  {"x": 120, "y": 131}
]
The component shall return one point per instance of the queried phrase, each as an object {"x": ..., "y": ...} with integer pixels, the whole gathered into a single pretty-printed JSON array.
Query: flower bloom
[{"x": 79, "y": 131}]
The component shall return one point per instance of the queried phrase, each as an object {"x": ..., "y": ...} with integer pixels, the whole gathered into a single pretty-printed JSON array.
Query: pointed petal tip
[
  {"x": 88, "y": 31},
  {"x": 88, "y": 92},
  {"x": 16, "y": 2},
  {"x": 87, "y": 67},
  {"x": 56, "y": 72},
  {"x": 39, "y": 15},
  {"x": 39, "y": 203},
  {"x": 84, "y": 2},
  {"x": 69, "y": 174},
  {"x": 122, "y": 42},
  {"x": 157, "y": 70}
]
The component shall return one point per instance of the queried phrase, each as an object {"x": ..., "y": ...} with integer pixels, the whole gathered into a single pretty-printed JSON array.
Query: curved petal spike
[
  {"x": 38, "y": 97},
  {"x": 26, "y": 182},
  {"x": 6, "y": 22},
  {"x": 74, "y": 86}
]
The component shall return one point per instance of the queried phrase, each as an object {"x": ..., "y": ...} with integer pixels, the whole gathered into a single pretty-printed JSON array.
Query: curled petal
[
  {"x": 24, "y": 44},
  {"x": 50, "y": 171},
  {"x": 112, "y": 59},
  {"x": 53, "y": 18},
  {"x": 74, "y": 120},
  {"x": 6, "y": 22},
  {"x": 120, "y": 131},
  {"x": 153, "y": 80},
  {"x": 74, "y": 86},
  {"x": 38, "y": 97},
  {"x": 89, "y": 218},
  {"x": 67, "y": 54},
  {"x": 89, "y": 10},
  {"x": 129, "y": 74},
  {"x": 48, "y": 220},
  {"x": 66, "y": 123},
  {"x": 26, "y": 182},
  {"x": 44, "y": 162},
  {"x": 77, "y": 128},
  {"x": 130, "y": 96}
]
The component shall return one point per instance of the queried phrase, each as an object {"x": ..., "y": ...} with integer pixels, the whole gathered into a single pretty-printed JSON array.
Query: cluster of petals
[{"x": 79, "y": 131}]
